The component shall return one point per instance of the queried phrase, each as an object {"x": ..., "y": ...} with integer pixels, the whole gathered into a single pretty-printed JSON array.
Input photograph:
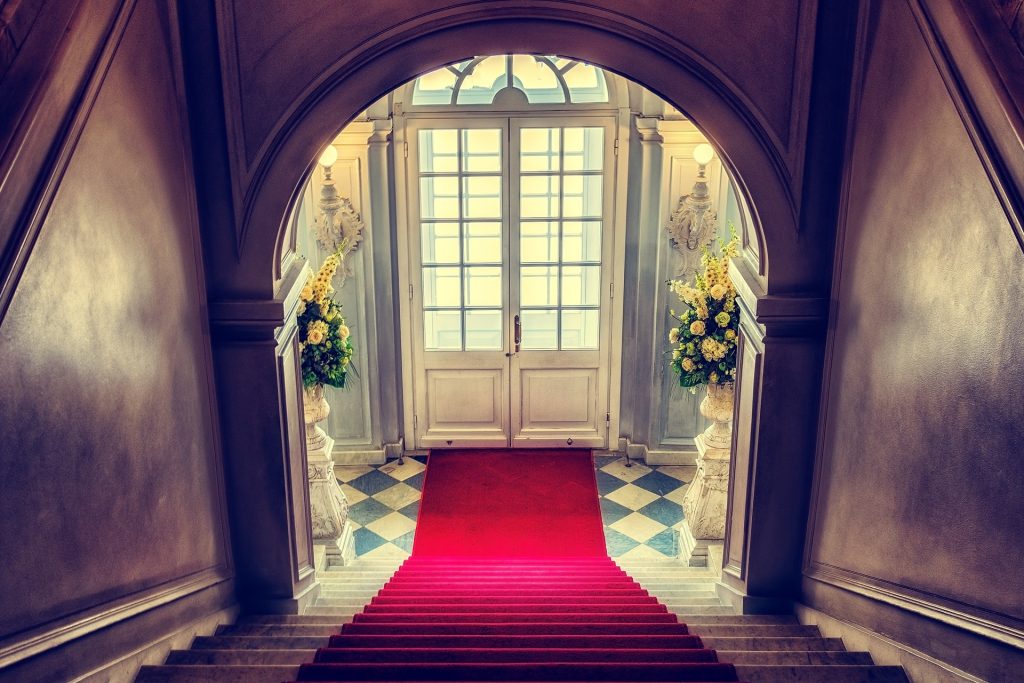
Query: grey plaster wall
[
  {"x": 111, "y": 501},
  {"x": 918, "y": 497}
]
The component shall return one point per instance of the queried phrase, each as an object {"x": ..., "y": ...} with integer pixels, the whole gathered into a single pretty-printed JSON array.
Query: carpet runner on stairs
[
  {"x": 477, "y": 619},
  {"x": 510, "y": 581}
]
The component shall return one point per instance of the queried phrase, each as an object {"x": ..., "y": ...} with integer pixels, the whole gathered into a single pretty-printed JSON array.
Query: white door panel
[
  {"x": 510, "y": 255},
  {"x": 465, "y": 405}
]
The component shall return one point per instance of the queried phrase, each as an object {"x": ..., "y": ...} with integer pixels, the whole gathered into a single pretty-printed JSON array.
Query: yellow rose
[
  {"x": 306, "y": 294},
  {"x": 315, "y": 336},
  {"x": 713, "y": 349},
  {"x": 713, "y": 377},
  {"x": 722, "y": 319},
  {"x": 673, "y": 335},
  {"x": 676, "y": 353},
  {"x": 730, "y": 334},
  {"x": 718, "y": 291},
  {"x": 344, "y": 332},
  {"x": 697, "y": 327},
  {"x": 688, "y": 364},
  {"x": 344, "y": 361}
]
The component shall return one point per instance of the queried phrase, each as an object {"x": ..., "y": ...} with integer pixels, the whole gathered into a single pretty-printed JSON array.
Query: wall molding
[
  {"x": 937, "y": 607},
  {"x": 884, "y": 651},
  {"x": 25, "y": 231},
  {"x": 33, "y": 642},
  {"x": 992, "y": 118},
  {"x": 155, "y": 653},
  {"x": 970, "y": 618}
]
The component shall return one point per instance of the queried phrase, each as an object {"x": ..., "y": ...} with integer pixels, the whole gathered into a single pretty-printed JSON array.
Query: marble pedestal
[
  {"x": 703, "y": 529},
  {"x": 328, "y": 505}
]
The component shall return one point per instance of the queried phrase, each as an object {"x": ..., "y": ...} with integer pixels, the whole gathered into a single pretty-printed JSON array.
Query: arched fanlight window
[{"x": 512, "y": 79}]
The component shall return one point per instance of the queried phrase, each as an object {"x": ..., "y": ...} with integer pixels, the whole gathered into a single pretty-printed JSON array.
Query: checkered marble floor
[
  {"x": 383, "y": 503},
  {"x": 640, "y": 506}
]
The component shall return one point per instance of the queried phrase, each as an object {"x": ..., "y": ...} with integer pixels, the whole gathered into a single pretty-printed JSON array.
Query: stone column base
[
  {"x": 697, "y": 552},
  {"x": 340, "y": 551}
]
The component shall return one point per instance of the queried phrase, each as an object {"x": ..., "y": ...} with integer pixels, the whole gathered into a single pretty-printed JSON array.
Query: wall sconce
[
  {"x": 338, "y": 225},
  {"x": 694, "y": 223}
]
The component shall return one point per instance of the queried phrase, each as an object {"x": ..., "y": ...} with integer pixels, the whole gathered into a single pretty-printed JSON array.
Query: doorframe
[{"x": 619, "y": 118}]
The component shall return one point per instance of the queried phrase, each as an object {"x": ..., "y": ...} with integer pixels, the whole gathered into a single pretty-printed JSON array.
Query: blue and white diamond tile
[
  {"x": 383, "y": 503},
  {"x": 641, "y": 506}
]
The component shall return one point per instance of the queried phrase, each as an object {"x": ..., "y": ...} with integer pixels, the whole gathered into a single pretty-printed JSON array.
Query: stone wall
[
  {"x": 112, "y": 526},
  {"x": 917, "y": 515}
]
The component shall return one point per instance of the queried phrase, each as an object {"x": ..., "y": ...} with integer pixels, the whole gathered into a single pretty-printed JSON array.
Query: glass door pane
[
  {"x": 561, "y": 201},
  {"x": 461, "y": 217}
]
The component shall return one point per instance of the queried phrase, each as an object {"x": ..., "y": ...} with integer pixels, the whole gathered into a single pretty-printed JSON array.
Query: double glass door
[{"x": 510, "y": 252}]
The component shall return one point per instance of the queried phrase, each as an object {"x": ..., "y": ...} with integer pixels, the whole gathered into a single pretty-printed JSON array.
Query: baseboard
[
  {"x": 950, "y": 648},
  {"x": 884, "y": 651},
  {"x": 126, "y": 668},
  {"x": 114, "y": 652},
  {"x": 684, "y": 458},
  {"x": 343, "y": 457}
]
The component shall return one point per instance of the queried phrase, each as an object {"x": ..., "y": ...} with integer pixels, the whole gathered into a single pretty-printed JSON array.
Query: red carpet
[
  {"x": 510, "y": 581},
  {"x": 510, "y": 503}
]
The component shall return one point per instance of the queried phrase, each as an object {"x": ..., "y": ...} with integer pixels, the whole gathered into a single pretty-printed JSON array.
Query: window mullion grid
[
  {"x": 462, "y": 240},
  {"x": 560, "y": 223}
]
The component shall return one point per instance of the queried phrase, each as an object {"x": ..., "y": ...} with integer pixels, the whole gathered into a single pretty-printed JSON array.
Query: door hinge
[
  {"x": 410, "y": 291},
  {"x": 415, "y": 423},
  {"x": 611, "y": 290},
  {"x": 608, "y": 417},
  {"x": 405, "y": 149},
  {"x": 616, "y": 147}
]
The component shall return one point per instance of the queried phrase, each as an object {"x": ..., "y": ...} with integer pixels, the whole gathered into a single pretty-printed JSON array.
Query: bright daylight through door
[{"x": 510, "y": 242}]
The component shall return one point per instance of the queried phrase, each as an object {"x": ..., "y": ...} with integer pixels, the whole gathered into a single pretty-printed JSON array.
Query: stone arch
[
  {"x": 675, "y": 73},
  {"x": 780, "y": 334}
]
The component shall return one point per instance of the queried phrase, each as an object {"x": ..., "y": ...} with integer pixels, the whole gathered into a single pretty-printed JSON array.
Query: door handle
[{"x": 518, "y": 332}]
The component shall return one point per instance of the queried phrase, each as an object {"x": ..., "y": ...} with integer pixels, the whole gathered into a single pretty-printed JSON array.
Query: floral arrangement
[
  {"x": 704, "y": 343},
  {"x": 324, "y": 338}
]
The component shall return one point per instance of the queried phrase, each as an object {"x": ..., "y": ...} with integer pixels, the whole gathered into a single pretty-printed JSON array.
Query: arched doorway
[{"x": 754, "y": 156}]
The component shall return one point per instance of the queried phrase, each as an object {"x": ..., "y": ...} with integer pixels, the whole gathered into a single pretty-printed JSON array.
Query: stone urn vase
[
  {"x": 328, "y": 506},
  {"x": 315, "y": 410},
  {"x": 705, "y": 501},
  {"x": 717, "y": 407}
]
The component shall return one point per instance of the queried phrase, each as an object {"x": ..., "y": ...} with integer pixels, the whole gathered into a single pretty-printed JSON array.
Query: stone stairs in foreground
[{"x": 765, "y": 649}]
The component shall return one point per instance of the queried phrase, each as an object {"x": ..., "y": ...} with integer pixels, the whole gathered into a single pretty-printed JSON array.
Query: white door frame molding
[{"x": 616, "y": 122}]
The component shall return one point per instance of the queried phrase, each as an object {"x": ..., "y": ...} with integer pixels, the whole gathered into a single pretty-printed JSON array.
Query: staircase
[{"x": 538, "y": 620}]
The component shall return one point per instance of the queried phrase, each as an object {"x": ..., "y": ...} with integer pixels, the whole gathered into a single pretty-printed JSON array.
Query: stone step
[
  {"x": 247, "y": 656},
  {"x": 721, "y": 643},
  {"x": 338, "y": 614},
  {"x": 259, "y": 642},
  {"x": 337, "y": 591},
  {"x": 342, "y": 602},
  {"x": 789, "y": 657},
  {"x": 684, "y": 594},
  {"x": 307, "y": 618},
  {"x": 354, "y": 586},
  {"x": 741, "y": 618},
  {"x": 816, "y": 673},
  {"x": 217, "y": 673},
  {"x": 690, "y": 610},
  {"x": 658, "y": 586},
  {"x": 656, "y": 571},
  {"x": 772, "y": 644},
  {"x": 298, "y": 656},
  {"x": 700, "y": 629},
  {"x": 361, "y": 577}
]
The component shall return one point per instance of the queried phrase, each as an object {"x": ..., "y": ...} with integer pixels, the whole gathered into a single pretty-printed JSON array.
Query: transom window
[{"x": 537, "y": 79}]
